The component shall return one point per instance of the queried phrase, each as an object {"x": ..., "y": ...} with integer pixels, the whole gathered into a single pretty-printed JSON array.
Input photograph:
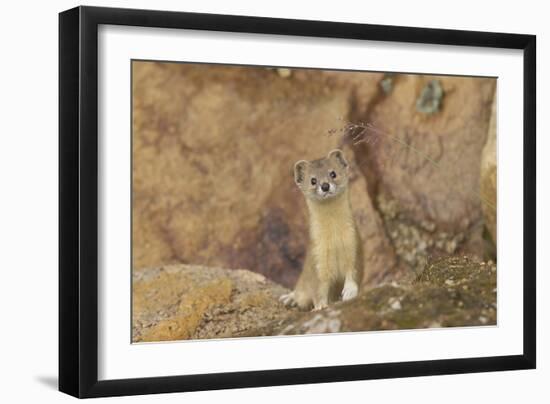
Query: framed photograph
[{"x": 251, "y": 201}]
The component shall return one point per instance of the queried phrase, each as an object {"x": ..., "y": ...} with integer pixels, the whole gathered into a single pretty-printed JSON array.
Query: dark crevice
[{"x": 363, "y": 113}]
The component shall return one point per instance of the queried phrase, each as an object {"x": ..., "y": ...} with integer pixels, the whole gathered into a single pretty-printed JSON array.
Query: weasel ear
[
  {"x": 300, "y": 171},
  {"x": 338, "y": 155}
]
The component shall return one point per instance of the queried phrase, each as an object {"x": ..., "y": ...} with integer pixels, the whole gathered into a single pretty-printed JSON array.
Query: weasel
[{"x": 333, "y": 266}]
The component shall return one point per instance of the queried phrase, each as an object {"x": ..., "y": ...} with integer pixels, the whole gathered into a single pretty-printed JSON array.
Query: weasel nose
[{"x": 325, "y": 187}]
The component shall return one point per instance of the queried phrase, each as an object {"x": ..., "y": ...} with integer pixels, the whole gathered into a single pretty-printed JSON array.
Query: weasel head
[{"x": 322, "y": 179}]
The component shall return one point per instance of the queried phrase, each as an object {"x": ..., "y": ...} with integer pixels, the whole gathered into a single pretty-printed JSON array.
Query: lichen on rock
[
  {"x": 430, "y": 97},
  {"x": 181, "y": 302},
  {"x": 416, "y": 242}
]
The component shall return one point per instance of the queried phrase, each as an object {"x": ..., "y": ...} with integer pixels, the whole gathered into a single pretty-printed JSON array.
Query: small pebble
[
  {"x": 395, "y": 304},
  {"x": 284, "y": 73}
]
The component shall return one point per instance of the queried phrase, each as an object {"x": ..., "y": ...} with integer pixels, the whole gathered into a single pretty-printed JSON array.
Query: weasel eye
[
  {"x": 313, "y": 181},
  {"x": 332, "y": 174}
]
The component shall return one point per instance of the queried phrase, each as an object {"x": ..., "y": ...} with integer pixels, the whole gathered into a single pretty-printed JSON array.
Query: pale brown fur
[{"x": 334, "y": 264}]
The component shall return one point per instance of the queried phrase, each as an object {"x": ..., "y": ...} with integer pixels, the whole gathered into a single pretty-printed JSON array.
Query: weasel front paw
[
  {"x": 288, "y": 299},
  {"x": 320, "y": 305},
  {"x": 350, "y": 291}
]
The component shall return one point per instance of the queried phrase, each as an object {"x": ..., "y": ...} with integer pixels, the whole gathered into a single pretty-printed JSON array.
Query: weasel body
[{"x": 333, "y": 267}]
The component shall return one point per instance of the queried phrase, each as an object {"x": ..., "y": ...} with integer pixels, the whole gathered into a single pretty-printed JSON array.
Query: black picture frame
[{"x": 78, "y": 201}]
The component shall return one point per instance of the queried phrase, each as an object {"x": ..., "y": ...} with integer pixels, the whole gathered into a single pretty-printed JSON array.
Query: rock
[
  {"x": 192, "y": 302},
  {"x": 320, "y": 324},
  {"x": 489, "y": 175},
  {"x": 284, "y": 73},
  {"x": 428, "y": 302},
  {"x": 394, "y": 303},
  {"x": 423, "y": 168}
]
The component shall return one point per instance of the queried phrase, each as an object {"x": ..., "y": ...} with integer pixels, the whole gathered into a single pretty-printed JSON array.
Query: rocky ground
[{"x": 189, "y": 302}]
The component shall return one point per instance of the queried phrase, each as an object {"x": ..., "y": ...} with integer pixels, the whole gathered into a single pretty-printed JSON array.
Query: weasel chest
[{"x": 334, "y": 246}]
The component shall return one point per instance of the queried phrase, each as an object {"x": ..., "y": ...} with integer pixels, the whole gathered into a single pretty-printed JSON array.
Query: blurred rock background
[{"x": 214, "y": 147}]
